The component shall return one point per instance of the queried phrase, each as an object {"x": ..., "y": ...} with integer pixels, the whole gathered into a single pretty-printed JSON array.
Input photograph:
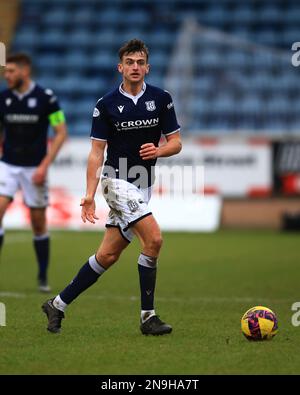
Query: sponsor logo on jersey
[
  {"x": 150, "y": 105},
  {"x": 137, "y": 124},
  {"x": 120, "y": 108},
  {"x": 22, "y": 118},
  {"x": 8, "y": 101},
  {"x": 96, "y": 112},
  {"x": 32, "y": 102}
]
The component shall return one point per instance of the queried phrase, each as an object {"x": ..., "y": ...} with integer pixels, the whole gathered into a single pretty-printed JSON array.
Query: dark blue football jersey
[
  {"x": 126, "y": 122},
  {"x": 25, "y": 120}
]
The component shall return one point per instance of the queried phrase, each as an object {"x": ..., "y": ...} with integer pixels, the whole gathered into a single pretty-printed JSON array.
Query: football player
[
  {"x": 26, "y": 110},
  {"x": 129, "y": 121}
]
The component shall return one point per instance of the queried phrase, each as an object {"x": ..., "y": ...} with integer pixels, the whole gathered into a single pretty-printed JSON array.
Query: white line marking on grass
[{"x": 14, "y": 295}]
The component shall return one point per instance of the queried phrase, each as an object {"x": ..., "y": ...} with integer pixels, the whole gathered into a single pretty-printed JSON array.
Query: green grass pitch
[{"x": 205, "y": 283}]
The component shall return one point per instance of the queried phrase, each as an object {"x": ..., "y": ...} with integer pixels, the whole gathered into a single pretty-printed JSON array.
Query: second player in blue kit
[
  {"x": 26, "y": 110},
  {"x": 129, "y": 121}
]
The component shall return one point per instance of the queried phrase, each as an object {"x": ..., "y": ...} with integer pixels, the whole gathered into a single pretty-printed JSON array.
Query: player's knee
[
  {"x": 107, "y": 259},
  {"x": 38, "y": 224},
  {"x": 38, "y": 229},
  {"x": 155, "y": 243}
]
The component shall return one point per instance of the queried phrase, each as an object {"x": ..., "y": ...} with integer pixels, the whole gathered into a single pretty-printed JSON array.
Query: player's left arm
[
  {"x": 170, "y": 129},
  {"x": 60, "y": 130},
  {"x": 172, "y": 146}
]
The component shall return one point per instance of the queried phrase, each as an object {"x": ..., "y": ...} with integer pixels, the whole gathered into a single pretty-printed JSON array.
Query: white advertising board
[{"x": 174, "y": 207}]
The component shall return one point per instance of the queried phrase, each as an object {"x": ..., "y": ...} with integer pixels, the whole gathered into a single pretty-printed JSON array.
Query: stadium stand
[{"x": 227, "y": 63}]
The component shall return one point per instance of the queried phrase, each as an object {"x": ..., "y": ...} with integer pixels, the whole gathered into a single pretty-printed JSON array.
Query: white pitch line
[
  {"x": 15, "y": 295},
  {"x": 201, "y": 299}
]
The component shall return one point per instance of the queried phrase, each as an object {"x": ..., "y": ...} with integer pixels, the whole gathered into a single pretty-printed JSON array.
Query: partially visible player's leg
[
  {"x": 9, "y": 185},
  {"x": 150, "y": 237},
  {"x": 4, "y": 203},
  {"x": 108, "y": 253},
  {"x": 41, "y": 243},
  {"x": 36, "y": 199},
  {"x": 111, "y": 247}
]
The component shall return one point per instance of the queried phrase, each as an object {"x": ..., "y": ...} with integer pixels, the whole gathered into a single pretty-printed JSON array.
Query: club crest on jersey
[
  {"x": 32, "y": 102},
  {"x": 96, "y": 112},
  {"x": 133, "y": 205},
  {"x": 150, "y": 105}
]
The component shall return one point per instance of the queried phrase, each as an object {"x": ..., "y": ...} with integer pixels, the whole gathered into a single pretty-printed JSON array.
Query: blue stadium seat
[
  {"x": 110, "y": 17},
  {"x": 236, "y": 59},
  {"x": 74, "y": 45},
  {"x": 102, "y": 60},
  {"x": 155, "y": 79},
  {"x": 202, "y": 85},
  {"x": 70, "y": 83},
  {"x": 278, "y": 105},
  {"x": 48, "y": 62},
  {"x": 251, "y": 104},
  {"x": 269, "y": 14},
  {"x": 80, "y": 38},
  {"x": 243, "y": 14},
  {"x": 268, "y": 37},
  {"x": 26, "y": 39},
  {"x": 216, "y": 15},
  {"x": 81, "y": 128},
  {"x": 75, "y": 60},
  {"x": 56, "y": 17},
  {"x": 54, "y": 37},
  {"x": 83, "y": 15},
  {"x": 209, "y": 59},
  {"x": 224, "y": 104},
  {"x": 198, "y": 106},
  {"x": 136, "y": 18}
]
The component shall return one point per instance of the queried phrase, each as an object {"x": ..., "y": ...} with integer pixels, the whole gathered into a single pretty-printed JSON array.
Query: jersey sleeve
[
  {"x": 53, "y": 110},
  {"x": 169, "y": 122},
  {"x": 100, "y": 123}
]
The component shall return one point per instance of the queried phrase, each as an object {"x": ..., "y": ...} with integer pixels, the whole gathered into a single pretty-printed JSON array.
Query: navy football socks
[
  {"x": 41, "y": 247},
  {"x": 1, "y": 238},
  {"x": 147, "y": 274},
  {"x": 87, "y": 276}
]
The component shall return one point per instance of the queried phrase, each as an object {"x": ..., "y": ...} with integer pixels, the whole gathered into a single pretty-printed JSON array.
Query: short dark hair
[
  {"x": 133, "y": 45},
  {"x": 20, "y": 58}
]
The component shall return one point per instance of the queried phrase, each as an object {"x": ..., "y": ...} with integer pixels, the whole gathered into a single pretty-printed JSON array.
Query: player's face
[
  {"x": 15, "y": 75},
  {"x": 134, "y": 67}
]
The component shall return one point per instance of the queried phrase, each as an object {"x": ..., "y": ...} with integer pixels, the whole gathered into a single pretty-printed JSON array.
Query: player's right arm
[
  {"x": 95, "y": 162},
  {"x": 99, "y": 134}
]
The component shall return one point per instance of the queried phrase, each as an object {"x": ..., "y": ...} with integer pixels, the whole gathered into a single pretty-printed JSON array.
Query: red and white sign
[{"x": 216, "y": 167}]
